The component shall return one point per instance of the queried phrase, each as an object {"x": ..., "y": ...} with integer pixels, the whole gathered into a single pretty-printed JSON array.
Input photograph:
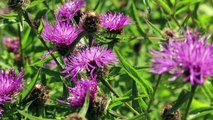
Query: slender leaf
[
  {"x": 34, "y": 3},
  {"x": 29, "y": 87},
  {"x": 85, "y": 107},
  {"x": 31, "y": 117}
]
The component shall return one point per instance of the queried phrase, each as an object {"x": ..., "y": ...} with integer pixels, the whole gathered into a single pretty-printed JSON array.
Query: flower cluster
[
  {"x": 191, "y": 57},
  {"x": 9, "y": 84}
]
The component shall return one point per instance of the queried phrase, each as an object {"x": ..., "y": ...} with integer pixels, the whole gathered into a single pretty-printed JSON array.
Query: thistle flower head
[
  {"x": 12, "y": 44},
  {"x": 191, "y": 57},
  {"x": 9, "y": 84},
  {"x": 114, "y": 21},
  {"x": 78, "y": 93},
  {"x": 69, "y": 10},
  {"x": 61, "y": 33},
  {"x": 89, "y": 59}
]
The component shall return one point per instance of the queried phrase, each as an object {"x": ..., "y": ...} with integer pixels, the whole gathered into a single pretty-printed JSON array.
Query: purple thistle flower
[
  {"x": 89, "y": 59},
  {"x": 78, "y": 93},
  {"x": 12, "y": 44},
  {"x": 114, "y": 21},
  {"x": 69, "y": 10},
  {"x": 5, "y": 10},
  {"x": 191, "y": 57},
  {"x": 61, "y": 33},
  {"x": 9, "y": 84}
]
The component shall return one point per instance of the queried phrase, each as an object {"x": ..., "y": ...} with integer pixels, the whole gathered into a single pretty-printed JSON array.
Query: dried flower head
[
  {"x": 90, "y": 22},
  {"x": 98, "y": 106},
  {"x": 9, "y": 85},
  {"x": 78, "y": 93},
  {"x": 17, "y": 4},
  {"x": 75, "y": 116},
  {"x": 191, "y": 57},
  {"x": 89, "y": 59},
  {"x": 12, "y": 44},
  {"x": 114, "y": 21},
  {"x": 69, "y": 10},
  {"x": 176, "y": 115},
  {"x": 39, "y": 95},
  {"x": 169, "y": 33}
]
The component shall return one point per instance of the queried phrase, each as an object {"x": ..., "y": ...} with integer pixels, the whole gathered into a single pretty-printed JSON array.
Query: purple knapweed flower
[
  {"x": 114, "y": 21},
  {"x": 12, "y": 44},
  {"x": 9, "y": 84},
  {"x": 5, "y": 10},
  {"x": 78, "y": 93},
  {"x": 62, "y": 34},
  {"x": 191, "y": 57},
  {"x": 89, "y": 59},
  {"x": 69, "y": 10}
]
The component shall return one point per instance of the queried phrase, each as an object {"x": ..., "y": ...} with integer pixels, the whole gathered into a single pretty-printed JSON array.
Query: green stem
[
  {"x": 189, "y": 102},
  {"x": 26, "y": 16},
  {"x": 106, "y": 83},
  {"x": 153, "y": 95}
]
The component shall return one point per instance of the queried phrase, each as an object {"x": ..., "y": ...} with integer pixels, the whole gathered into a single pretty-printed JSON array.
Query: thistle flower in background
[
  {"x": 90, "y": 22},
  {"x": 191, "y": 57},
  {"x": 69, "y": 10},
  {"x": 114, "y": 21},
  {"x": 90, "y": 59},
  {"x": 78, "y": 93},
  {"x": 9, "y": 85},
  {"x": 5, "y": 10},
  {"x": 12, "y": 44},
  {"x": 62, "y": 34}
]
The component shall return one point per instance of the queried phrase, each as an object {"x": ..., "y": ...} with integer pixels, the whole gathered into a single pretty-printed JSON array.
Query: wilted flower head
[
  {"x": 9, "y": 84},
  {"x": 89, "y": 59},
  {"x": 114, "y": 21},
  {"x": 61, "y": 33},
  {"x": 90, "y": 22},
  {"x": 191, "y": 57},
  {"x": 78, "y": 93},
  {"x": 69, "y": 10},
  {"x": 12, "y": 44}
]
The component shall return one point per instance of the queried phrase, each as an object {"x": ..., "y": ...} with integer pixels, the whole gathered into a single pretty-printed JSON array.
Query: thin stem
[
  {"x": 153, "y": 95},
  {"x": 189, "y": 102},
  {"x": 26, "y": 16},
  {"x": 106, "y": 83}
]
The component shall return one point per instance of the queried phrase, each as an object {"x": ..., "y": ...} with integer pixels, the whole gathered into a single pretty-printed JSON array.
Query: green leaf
[
  {"x": 52, "y": 73},
  {"x": 138, "y": 21},
  {"x": 195, "y": 114},
  {"x": 8, "y": 16},
  {"x": 85, "y": 107},
  {"x": 164, "y": 5},
  {"x": 29, "y": 87},
  {"x": 182, "y": 98},
  {"x": 132, "y": 72},
  {"x": 34, "y": 3},
  {"x": 31, "y": 117}
]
